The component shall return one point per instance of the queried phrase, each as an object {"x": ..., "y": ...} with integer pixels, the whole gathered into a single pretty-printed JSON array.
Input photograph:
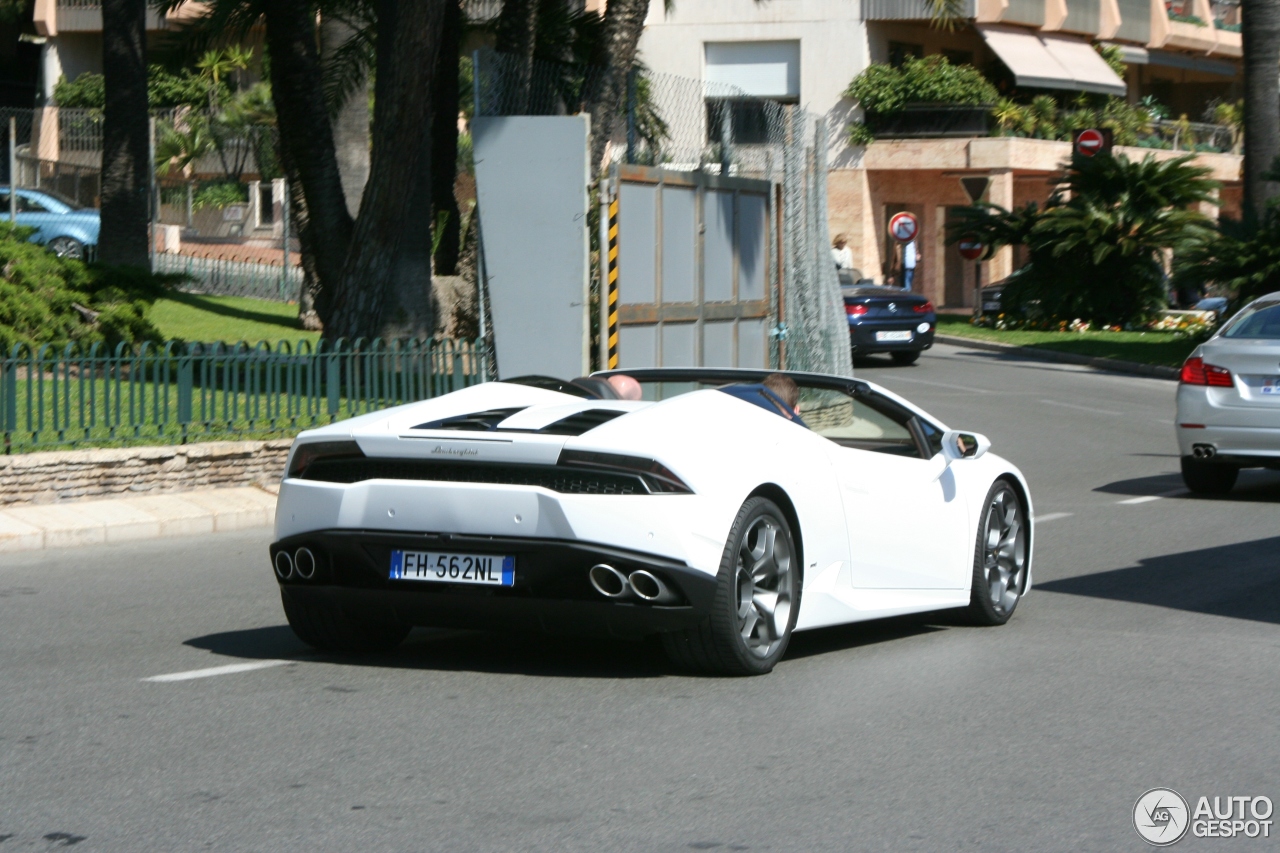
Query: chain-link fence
[
  {"x": 219, "y": 203},
  {"x": 699, "y": 126}
]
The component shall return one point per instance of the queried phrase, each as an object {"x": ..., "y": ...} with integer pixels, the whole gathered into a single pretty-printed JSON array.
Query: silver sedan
[{"x": 1229, "y": 400}]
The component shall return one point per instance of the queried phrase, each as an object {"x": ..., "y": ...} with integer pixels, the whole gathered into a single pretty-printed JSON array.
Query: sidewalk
[{"x": 35, "y": 526}]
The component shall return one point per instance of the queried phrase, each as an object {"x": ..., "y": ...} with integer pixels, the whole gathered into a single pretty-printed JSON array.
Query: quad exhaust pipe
[
  {"x": 1204, "y": 451},
  {"x": 648, "y": 587},
  {"x": 300, "y": 564}
]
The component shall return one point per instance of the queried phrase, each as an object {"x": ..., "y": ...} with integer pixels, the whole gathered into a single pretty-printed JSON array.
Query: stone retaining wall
[{"x": 69, "y": 475}]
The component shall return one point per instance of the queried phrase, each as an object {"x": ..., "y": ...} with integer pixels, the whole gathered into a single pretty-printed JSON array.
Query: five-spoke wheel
[
  {"x": 757, "y": 598},
  {"x": 67, "y": 247},
  {"x": 1000, "y": 561}
]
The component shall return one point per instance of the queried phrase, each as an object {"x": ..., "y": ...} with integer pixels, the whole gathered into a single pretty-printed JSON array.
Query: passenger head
[
  {"x": 786, "y": 388},
  {"x": 626, "y": 386}
]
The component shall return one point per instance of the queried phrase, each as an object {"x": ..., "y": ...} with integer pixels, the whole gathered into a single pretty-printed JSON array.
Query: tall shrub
[{"x": 1096, "y": 248}]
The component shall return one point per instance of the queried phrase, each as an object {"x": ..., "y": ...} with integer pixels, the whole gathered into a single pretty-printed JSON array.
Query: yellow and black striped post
[{"x": 611, "y": 312}]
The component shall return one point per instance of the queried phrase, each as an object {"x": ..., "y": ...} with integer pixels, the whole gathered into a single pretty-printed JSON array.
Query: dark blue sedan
[{"x": 889, "y": 320}]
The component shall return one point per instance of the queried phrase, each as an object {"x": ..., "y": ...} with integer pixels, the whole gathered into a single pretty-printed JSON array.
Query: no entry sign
[
  {"x": 903, "y": 227},
  {"x": 971, "y": 248},
  {"x": 1091, "y": 142}
]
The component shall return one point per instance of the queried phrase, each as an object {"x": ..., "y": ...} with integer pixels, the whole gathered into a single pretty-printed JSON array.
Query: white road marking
[
  {"x": 1053, "y": 516},
  {"x": 1148, "y": 498},
  {"x": 947, "y": 385},
  {"x": 229, "y": 669},
  {"x": 1081, "y": 408}
]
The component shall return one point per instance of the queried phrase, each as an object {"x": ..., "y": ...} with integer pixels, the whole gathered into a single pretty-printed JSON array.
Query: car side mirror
[{"x": 964, "y": 445}]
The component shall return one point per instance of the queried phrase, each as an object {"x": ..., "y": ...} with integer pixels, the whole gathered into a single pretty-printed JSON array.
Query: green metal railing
[{"x": 179, "y": 392}]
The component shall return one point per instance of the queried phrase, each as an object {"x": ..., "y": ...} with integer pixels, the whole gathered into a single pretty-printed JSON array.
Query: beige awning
[{"x": 1051, "y": 61}]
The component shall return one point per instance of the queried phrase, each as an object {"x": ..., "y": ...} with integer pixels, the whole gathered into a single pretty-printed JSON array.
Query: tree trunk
[
  {"x": 1261, "y": 38},
  {"x": 126, "y": 175},
  {"x": 307, "y": 145},
  {"x": 444, "y": 142},
  {"x": 517, "y": 36},
  {"x": 614, "y": 55},
  {"x": 386, "y": 283},
  {"x": 351, "y": 121}
]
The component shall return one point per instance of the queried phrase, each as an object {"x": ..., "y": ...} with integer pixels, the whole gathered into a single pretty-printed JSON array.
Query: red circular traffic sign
[
  {"x": 971, "y": 248},
  {"x": 903, "y": 227},
  {"x": 1090, "y": 142}
]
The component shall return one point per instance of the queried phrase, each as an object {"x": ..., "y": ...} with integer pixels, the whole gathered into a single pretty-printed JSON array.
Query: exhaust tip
[
  {"x": 1204, "y": 451},
  {"x": 650, "y": 588},
  {"x": 304, "y": 563},
  {"x": 608, "y": 581},
  {"x": 284, "y": 565}
]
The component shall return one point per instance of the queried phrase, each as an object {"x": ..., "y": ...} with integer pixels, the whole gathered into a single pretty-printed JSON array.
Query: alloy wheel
[
  {"x": 1004, "y": 551},
  {"x": 765, "y": 585}
]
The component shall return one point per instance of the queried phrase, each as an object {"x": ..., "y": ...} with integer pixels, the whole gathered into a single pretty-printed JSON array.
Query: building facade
[{"x": 1182, "y": 58}]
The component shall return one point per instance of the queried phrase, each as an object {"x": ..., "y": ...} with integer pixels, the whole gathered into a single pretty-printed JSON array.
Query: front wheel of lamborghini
[
  {"x": 1000, "y": 568},
  {"x": 756, "y": 601}
]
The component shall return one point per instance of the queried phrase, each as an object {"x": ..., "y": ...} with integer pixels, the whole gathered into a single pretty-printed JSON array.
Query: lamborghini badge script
[{"x": 454, "y": 451}]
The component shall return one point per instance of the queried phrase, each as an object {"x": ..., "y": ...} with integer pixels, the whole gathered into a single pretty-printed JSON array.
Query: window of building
[
  {"x": 743, "y": 83},
  {"x": 958, "y": 57},
  {"x": 900, "y": 50}
]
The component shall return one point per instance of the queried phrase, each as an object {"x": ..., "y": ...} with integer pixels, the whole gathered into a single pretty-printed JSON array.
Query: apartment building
[{"x": 1183, "y": 54}]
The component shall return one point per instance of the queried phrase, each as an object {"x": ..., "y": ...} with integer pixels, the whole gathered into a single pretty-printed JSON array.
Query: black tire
[
  {"x": 1208, "y": 478},
  {"x": 905, "y": 358},
  {"x": 725, "y": 643},
  {"x": 331, "y": 629},
  {"x": 999, "y": 573},
  {"x": 67, "y": 247}
]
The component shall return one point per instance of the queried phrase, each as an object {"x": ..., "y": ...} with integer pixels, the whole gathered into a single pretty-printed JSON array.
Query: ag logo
[{"x": 1161, "y": 816}]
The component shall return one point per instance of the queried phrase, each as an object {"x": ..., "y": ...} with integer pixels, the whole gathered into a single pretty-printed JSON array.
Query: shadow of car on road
[
  {"x": 1239, "y": 581},
  {"x": 537, "y": 654},
  {"x": 1255, "y": 485}
]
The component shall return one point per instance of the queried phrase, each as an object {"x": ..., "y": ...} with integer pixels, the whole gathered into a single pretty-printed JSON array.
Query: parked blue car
[{"x": 69, "y": 230}]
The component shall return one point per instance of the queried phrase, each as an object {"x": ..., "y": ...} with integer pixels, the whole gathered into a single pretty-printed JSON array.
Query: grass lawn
[
  {"x": 192, "y": 317},
  {"x": 1145, "y": 347}
]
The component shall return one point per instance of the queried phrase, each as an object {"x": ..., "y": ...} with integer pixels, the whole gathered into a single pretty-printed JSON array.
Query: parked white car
[
  {"x": 709, "y": 513},
  {"x": 1229, "y": 400}
]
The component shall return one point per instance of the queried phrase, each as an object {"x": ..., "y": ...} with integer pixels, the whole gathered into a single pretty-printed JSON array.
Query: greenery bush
[
  {"x": 919, "y": 80},
  {"x": 45, "y": 299},
  {"x": 164, "y": 89},
  {"x": 1097, "y": 247}
]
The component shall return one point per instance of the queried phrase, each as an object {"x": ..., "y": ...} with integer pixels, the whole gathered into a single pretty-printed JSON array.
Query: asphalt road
[{"x": 1148, "y": 656}]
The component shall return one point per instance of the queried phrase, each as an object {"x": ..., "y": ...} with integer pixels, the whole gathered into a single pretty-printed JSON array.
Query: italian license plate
[
  {"x": 893, "y": 336},
  {"x": 1271, "y": 386},
  {"x": 483, "y": 569}
]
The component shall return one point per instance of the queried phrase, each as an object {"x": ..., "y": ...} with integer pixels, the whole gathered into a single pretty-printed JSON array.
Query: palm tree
[
  {"x": 126, "y": 161},
  {"x": 1096, "y": 247},
  {"x": 1261, "y": 37}
]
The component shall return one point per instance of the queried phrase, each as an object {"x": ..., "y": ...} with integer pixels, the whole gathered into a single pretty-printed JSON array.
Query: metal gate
[{"x": 690, "y": 274}]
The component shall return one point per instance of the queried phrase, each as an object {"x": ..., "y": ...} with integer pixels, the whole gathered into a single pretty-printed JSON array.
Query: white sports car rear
[{"x": 710, "y": 513}]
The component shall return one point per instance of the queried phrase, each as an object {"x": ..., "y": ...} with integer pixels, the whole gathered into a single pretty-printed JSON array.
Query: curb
[
  {"x": 1113, "y": 365},
  {"x": 38, "y": 526}
]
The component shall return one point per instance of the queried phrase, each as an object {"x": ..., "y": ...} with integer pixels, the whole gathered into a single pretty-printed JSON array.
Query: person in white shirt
[
  {"x": 841, "y": 253},
  {"x": 909, "y": 258}
]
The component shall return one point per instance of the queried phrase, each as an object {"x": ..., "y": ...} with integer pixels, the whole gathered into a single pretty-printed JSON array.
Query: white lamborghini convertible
[{"x": 710, "y": 512}]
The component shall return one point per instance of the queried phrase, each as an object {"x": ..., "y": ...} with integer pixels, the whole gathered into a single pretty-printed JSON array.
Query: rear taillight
[
  {"x": 926, "y": 308},
  {"x": 305, "y": 454},
  {"x": 1196, "y": 372},
  {"x": 657, "y": 477},
  {"x": 855, "y": 310}
]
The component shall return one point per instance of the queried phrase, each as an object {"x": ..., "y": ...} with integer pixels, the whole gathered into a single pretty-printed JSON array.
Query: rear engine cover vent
[
  {"x": 581, "y": 422},
  {"x": 475, "y": 422}
]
